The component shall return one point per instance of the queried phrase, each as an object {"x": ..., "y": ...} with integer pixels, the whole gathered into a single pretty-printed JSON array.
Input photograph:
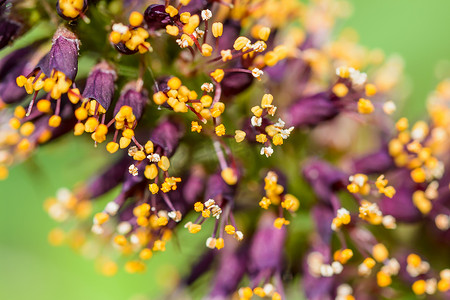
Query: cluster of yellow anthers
[
  {"x": 133, "y": 36},
  {"x": 71, "y": 8},
  {"x": 267, "y": 291},
  {"x": 318, "y": 267},
  {"x": 414, "y": 149},
  {"x": 211, "y": 209},
  {"x": 416, "y": 267},
  {"x": 274, "y": 195},
  {"x": 358, "y": 81},
  {"x": 274, "y": 134},
  {"x": 359, "y": 183},
  {"x": 56, "y": 85}
]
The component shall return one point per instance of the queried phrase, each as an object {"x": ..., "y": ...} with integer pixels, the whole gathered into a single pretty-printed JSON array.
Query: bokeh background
[{"x": 32, "y": 269}]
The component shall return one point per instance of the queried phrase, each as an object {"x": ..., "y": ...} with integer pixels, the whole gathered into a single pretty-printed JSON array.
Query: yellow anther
[
  {"x": 259, "y": 291},
  {"x": 418, "y": 175},
  {"x": 218, "y": 75},
  {"x": 206, "y": 100},
  {"x": 128, "y": 133},
  {"x": 370, "y": 89},
  {"x": 421, "y": 202},
  {"x": 369, "y": 262},
  {"x": 162, "y": 221},
  {"x": 151, "y": 171},
  {"x": 135, "y": 18},
  {"x": 24, "y": 145},
  {"x": 276, "y": 296},
  {"x": 206, "y": 50},
  {"x": 142, "y": 210},
  {"x": 217, "y": 29},
  {"x": 4, "y": 173},
  {"x": 192, "y": 24},
  {"x": 184, "y": 17},
  {"x": 414, "y": 260},
  {"x": 290, "y": 203},
  {"x": 81, "y": 113},
  {"x": 245, "y": 293},
  {"x": 100, "y": 218},
  {"x": 145, "y": 254},
  {"x": 380, "y": 252},
  {"x": 343, "y": 72},
  {"x": 229, "y": 176},
  {"x": 383, "y": 279},
  {"x": 340, "y": 90},
  {"x": 139, "y": 155},
  {"x": 220, "y": 243},
  {"x": 365, "y": 106},
  {"x": 91, "y": 124},
  {"x": 44, "y": 106},
  {"x": 153, "y": 188},
  {"x": 402, "y": 124},
  {"x": 206, "y": 213},
  {"x": 239, "y": 135},
  {"x": 54, "y": 121},
  {"x": 74, "y": 95},
  {"x": 220, "y": 130},
  {"x": 21, "y": 80},
  {"x": 19, "y": 112},
  {"x": 419, "y": 287},
  {"x": 172, "y": 30},
  {"x": 14, "y": 123},
  {"x": 159, "y": 98},
  {"x": 172, "y": 11},
  {"x": 277, "y": 139},
  {"x": 265, "y": 203},
  {"x": 56, "y": 237},
  {"x": 241, "y": 43},
  {"x": 257, "y": 111},
  {"x": 279, "y": 222},
  {"x": 124, "y": 142},
  {"x": 164, "y": 163},
  {"x": 115, "y": 37},
  {"x": 27, "y": 129},
  {"x": 174, "y": 83},
  {"x": 120, "y": 240},
  {"x": 217, "y": 109},
  {"x": 134, "y": 266},
  {"x": 194, "y": 228},
  {"x": 198, "y": 206},
  {"x": 78, "y": 129},
  {"x": 196, "y": 127},
  {"x": 112, "y": 147},
  {"x": 229, "y": 229},
  {"x": 109, "y": 268},
  {"x": 261, "y": 138},
  {"x": 264, "y": 33}
]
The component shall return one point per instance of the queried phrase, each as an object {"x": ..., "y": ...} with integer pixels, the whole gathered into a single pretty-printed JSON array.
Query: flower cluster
[{"x": 213, "y": 110}]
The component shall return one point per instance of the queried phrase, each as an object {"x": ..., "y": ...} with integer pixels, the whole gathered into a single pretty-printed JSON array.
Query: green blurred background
[{"x": 32, "y": 269}]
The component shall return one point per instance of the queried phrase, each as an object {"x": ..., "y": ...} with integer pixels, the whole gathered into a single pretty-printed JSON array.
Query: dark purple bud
[
  {"x": 108, "y": 180},
  {"x": 266, "y": 250},
  {"x": 377, "y": 162},
  {"x": 100, "y": 84},
  {"x": 311, "y": 111},
  {"x": 324, "y": 179},
  {"x": 235, "y": 83},
  {"x": 9, "y": 29},
  {"x": 12, "y": 66},
  {"x": 63, "y": 56},
  {"x": 167, "y": 136},
  {"x": 217, "y": 187},
  {"x": 73, "y": 12},
  {"x": 161, "y": 85},
  {"x": 156, "y": 17},
  {"x": 229, "y": 274}
]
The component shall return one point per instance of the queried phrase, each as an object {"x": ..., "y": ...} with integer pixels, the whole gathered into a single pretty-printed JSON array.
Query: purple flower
[
  {"x": 100, "y": 84},
  {"x": 63, "y": 56},
  {"x": 311, "y": 111}
]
